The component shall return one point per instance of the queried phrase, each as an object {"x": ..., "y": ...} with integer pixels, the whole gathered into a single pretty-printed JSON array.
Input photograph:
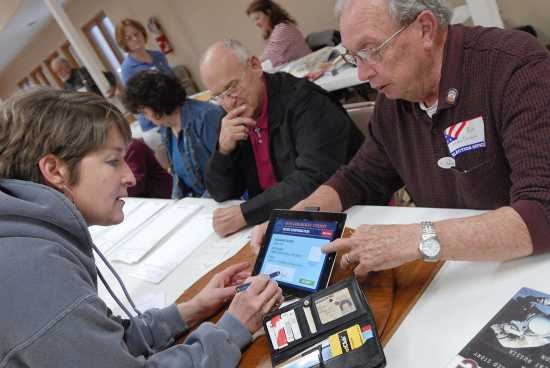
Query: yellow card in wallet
[{"x": 346, "y": 340}]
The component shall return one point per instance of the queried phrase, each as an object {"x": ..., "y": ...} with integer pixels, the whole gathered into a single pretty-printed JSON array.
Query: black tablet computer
[{"x": 292, "y": 247}]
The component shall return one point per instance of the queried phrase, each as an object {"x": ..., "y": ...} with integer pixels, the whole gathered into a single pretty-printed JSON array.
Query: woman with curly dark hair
[
  {"x": 283, "y": 40},
  {"x": 189, "y": 128}
]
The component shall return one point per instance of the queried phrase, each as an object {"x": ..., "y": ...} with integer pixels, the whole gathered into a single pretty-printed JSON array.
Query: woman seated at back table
[
  {"x": 283, "y": 40},
  {"x": 62, "y": 169},
  {"x": 189, "y": 128}
]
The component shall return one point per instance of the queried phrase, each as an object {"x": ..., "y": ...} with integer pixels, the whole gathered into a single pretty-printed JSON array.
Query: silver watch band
[
  {"x": 429, "y": 246},
  {"x": 428, "y": 230}
]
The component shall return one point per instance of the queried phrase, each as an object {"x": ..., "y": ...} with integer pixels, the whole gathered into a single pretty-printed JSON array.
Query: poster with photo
[{"x": 517, "y": 336}]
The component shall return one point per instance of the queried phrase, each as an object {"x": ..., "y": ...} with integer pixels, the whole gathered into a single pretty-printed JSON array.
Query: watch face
[{"x": 430, "y": 247}]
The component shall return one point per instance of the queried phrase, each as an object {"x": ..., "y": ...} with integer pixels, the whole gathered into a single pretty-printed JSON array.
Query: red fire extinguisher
[{"x": 155, "y": 28}]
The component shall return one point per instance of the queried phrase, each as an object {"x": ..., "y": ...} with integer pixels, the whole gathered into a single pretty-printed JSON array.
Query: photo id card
[{"x": 335, "y": 305}]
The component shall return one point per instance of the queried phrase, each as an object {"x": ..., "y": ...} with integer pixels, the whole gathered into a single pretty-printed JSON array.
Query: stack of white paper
[
  {"x": 220, "y": 249},
  {"x": 163, "y": 260},
  {"x": 106, "y": 240},
  {"x": 130, "y": 204},
  {"x": 134, "y": 247}
]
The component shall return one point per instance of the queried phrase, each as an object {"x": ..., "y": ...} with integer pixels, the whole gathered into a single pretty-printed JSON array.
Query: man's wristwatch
[{"x": 429, "y": 245}]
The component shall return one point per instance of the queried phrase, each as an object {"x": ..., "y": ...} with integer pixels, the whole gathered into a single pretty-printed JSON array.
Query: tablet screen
[{"x": 294, "y": 249}]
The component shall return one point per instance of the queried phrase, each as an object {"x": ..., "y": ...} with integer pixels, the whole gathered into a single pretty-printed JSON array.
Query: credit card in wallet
[
  {"x": 367, "y": 333},
  {"x": 346, "y": 340},
  {"x": 310, "y": 357},
  {"x": 308, "y": 360}
]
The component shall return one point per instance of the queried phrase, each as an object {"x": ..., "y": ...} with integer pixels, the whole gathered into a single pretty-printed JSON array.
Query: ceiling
[
  {"x": 7, "y": 10},
  {"x": 29, "y": 17}
]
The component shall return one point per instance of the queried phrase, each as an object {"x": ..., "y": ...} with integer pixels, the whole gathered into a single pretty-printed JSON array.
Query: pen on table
[{"x": 245, "y": 286}]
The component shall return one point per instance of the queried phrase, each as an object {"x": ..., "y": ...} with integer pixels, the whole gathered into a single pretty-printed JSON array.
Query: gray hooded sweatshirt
[{"x": 51, "y": 315}]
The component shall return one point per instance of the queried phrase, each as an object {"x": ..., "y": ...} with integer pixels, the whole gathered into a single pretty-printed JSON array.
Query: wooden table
[
  {"x": 412, "y": 337},
  {"x": 391, "y": 295}
]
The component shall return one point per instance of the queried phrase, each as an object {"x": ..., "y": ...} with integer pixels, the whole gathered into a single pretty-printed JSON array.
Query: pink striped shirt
[{"x": 286, "y": 43}]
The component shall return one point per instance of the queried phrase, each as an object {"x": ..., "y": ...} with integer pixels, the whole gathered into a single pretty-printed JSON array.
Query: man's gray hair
[
  {"x": 238, "y": 48},
  {"x": 242, "y": 53},
  {"x": 403, "y": 12}
]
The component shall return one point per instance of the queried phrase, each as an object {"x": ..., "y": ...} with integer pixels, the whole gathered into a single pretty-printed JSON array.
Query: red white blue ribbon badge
[{"x": 465, "y": 136}]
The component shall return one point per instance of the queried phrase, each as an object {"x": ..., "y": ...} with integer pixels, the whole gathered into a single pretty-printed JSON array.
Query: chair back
[
  {"x": 318, "y": 40},
  {"x": 361, "y": 114},
  {"x": 183, "y": 74}
]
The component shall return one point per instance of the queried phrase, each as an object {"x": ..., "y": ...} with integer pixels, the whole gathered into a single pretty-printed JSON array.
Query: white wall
[{"x": 191, "y": 26}]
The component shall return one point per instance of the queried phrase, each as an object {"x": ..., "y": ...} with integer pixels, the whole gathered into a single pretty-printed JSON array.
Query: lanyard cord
[
  {"x": 150, "y": 350},
  {"x": 124, "y": 290}
]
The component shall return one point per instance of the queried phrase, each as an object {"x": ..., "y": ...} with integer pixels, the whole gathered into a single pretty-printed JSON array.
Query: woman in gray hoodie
[{"x": 62, "y": 169}]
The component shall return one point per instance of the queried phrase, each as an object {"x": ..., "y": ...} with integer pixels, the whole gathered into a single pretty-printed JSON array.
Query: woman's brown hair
[
  {"x": 46, "y": 121},
  {"x": 272, "y": 10},
  {"x": 120, "y": 31}
]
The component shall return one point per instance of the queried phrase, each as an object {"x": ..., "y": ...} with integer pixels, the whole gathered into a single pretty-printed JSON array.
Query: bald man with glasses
[
  {"x": 461, "y": 120},
  {"x": 281, "y": 138}
]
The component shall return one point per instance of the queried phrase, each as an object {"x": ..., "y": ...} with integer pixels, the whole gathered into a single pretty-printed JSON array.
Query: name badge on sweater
[{"x": 465, "y": 136}]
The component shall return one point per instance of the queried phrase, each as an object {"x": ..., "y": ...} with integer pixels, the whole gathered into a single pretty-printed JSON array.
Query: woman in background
[
  {"x": 131, "y": 36},
  {"x": 188, "y": 128},
  {"x": 283, "y": 40}
]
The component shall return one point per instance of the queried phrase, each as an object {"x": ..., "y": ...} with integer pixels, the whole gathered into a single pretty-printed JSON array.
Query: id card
[{"x": 335, "y": 305}]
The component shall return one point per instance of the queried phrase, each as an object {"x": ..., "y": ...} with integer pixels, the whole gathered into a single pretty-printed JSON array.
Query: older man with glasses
[
  {"x": 79, "y": 79},
  {"x": 462, "y": 121},
  {"x": 281, "y": 138}
]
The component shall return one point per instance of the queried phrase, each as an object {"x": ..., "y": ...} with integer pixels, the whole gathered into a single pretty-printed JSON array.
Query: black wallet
[{"x": 331, "y": 328}]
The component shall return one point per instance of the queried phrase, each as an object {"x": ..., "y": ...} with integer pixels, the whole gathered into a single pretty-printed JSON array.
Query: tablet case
[{"x": 326, "y": 317}]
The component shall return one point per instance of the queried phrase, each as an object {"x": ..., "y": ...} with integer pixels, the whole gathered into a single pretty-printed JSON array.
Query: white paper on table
[
  {"x": 221, "y": 249},
  {"x": 97, "y": 231},
  {"x": 151, "y": 300},
  {"x": 130, "y": 204},
  {"x": 107, "y": 240},
  {"x": 134, "y": 247},
  {"x": 155, "y": 299},
  {"x": 163, "y": 260},
  {"x": 267, "y": 66},
  {"x": 240, "y": 237}
]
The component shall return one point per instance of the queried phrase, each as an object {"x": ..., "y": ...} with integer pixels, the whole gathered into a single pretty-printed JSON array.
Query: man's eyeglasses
[
  {"x": 230, "y": 91},
  {"x": 371, "y": 55}
]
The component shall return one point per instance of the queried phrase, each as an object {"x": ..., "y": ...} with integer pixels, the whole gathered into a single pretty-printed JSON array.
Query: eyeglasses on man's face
[
  {"x": 371, "y": 55},
  {"x": 230, "y": 91}
]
